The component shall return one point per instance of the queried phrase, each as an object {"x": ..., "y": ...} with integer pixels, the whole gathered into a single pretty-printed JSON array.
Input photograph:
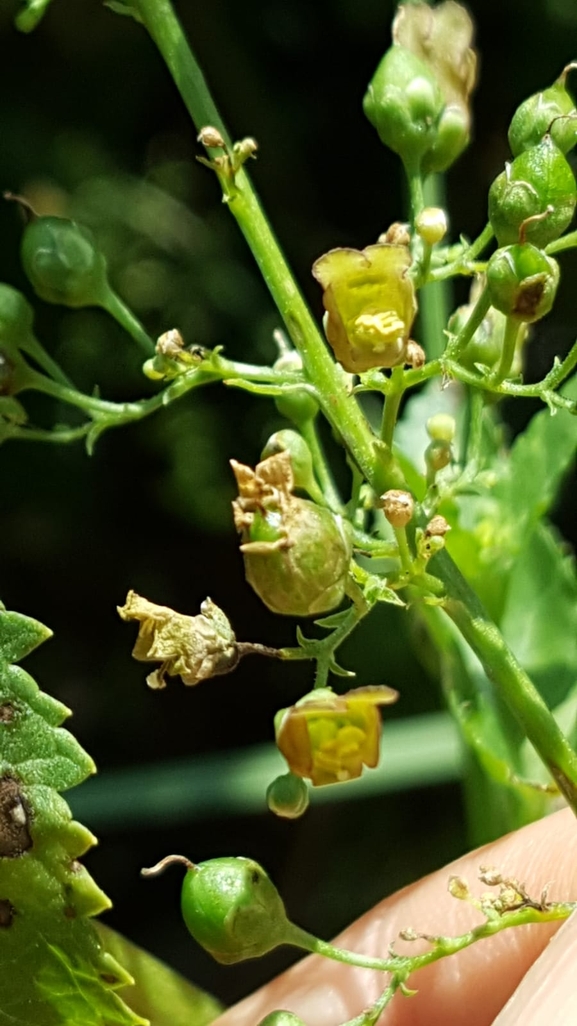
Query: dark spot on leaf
[
  {"x": 15, "y": 836},
  {"x": 109, "y": 978},
  {"x": 7, "y": 712},
  {"x": 70, "y": 912},
  {"x": 7, "y": 913},
  {"x": 255, "y": 876}
]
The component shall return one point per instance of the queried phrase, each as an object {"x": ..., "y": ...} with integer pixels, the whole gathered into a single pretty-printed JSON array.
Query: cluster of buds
[{"x": 296, "y": 554}]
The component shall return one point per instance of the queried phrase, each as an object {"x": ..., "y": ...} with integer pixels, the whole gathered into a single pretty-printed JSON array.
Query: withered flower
[
  {"x": 296, "y": 554},
  {"x": 328, "y": 738},
  {"x": 370, "y": 304},
  {"x": 191, "y": 647}
]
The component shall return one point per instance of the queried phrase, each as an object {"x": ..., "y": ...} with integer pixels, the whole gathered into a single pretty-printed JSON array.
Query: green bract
[
  {"x": 418, "y": 97},
  {"x": 522, "y": 282},
  {"x": 232, "y": 909},
  {"x": 538, "y": 184},
  {"x": 552, "y": 110},
  {"x": 63, "y": 264},
  {"x": 296, "y": 554}
]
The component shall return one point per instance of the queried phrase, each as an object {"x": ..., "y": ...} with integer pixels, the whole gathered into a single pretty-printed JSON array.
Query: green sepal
[{"x": 122, "y": 7}]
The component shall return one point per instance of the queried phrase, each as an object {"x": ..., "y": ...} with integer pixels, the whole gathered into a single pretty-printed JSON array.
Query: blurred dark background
[{"x": 91, "y": 126}]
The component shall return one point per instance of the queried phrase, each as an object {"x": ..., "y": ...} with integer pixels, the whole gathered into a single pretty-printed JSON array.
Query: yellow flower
[
  {"x": 370, "y": 304},
  {"x": 328, "y": 738},
  {"x": 192, "y": 647}
]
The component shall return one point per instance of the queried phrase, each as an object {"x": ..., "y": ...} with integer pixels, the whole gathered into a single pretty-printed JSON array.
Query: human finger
[{"x": 472, "y": 986}]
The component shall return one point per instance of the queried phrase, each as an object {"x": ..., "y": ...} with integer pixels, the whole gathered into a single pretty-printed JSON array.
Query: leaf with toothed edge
[{"x": 54, "y": 969}]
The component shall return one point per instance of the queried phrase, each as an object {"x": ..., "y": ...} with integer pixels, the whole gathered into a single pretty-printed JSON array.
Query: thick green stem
[
  {"x": 392, "y": 404},
  {"x": 502, "y": 668},
  {"x": 341, "y": 409}
]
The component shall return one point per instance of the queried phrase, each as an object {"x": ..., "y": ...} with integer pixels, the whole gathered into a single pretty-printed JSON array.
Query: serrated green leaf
[
  {"x": 53, "y": 968},
  {"x": 160, "y": 994}
]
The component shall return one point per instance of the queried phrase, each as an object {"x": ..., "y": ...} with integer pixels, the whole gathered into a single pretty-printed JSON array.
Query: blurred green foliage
[{"x": 92, "y": 128}]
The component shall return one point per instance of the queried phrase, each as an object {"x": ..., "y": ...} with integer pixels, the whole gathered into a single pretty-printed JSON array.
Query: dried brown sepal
[
  {"x": 437, "y": 527},
  {"x": 398, "y": 507}
]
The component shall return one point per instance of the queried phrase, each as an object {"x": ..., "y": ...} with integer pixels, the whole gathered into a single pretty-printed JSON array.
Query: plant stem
[
  {"x": 512, "y": 327},
  {"x": 115, "y": 306},
  {"x": 392, "y": 404},
  {"x": 340, "y": 408},
  {"x": 502, "y": 668},
  {"x": 332, "y": 498},
  {"x": 476, "y": 317}
]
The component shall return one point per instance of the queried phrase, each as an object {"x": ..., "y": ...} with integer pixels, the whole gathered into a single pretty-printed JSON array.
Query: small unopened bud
[
  {"x": 431, "y": 225},
  {"x": 459, "y": 888},
  {"x": 398, "y": 507},
  {"x": 397, "y": 234},
  {"x": 288, "y": 796},
  {"x": 437, "y": 527},
  {"x": 441, "y": 427},
  {"x": 490, "y": 875},
  {"x": 170, "y": 344},
  {"x": 415, "y": 355},
  {"x": 242, "y": 150},
  {"x": 211, "y": 138},
  {"x": 281, "y": 1018}
]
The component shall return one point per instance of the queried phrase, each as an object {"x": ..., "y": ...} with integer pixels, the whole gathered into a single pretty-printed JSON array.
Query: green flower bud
[
  {"x": 281, "y": 1018},
  {"x": 16, "y": 316},
  {"x": 231, "y": 907},
  {"x": 538, "y": 184},
  {"x": 62, "y": 262},
  {"x": 296, "y": 554},
  {"x": 301, "y": 459},
  {"x": 522, "y": 282},
  {"x": 288, "y": 796},
  {"x": 404, "y": 104},
  {"x": 418, "y": 97},
  {"x": 298, "y": 405},
  {"x": 441, "y": 427},
  {"x": 437, "y": 456},
  {"x": 552, "y": 110},
  {"x": 431, "y": 225}
]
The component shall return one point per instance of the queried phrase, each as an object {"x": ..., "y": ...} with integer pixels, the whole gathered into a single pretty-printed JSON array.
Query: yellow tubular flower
[
  {"x": 328, "y": 738},
  {"x": 370, "y": 304}
]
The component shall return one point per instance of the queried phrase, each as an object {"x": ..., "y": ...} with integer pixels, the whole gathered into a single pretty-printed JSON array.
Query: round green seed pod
[
  {"x": 302, "y": 567},
  {"x": 233, "y": 909},
  {"x": 522, "y": 282},
  {"x": 62, "y": 262},
  {"x": 551, "y": 110},
  {"x": 441, "y": 427},
  {"x": 538, "y": 184},
  {"x": 16, "y": 315},
  {"x": 281, "y": 1018},
  {"x": 288, "y": 796}
]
